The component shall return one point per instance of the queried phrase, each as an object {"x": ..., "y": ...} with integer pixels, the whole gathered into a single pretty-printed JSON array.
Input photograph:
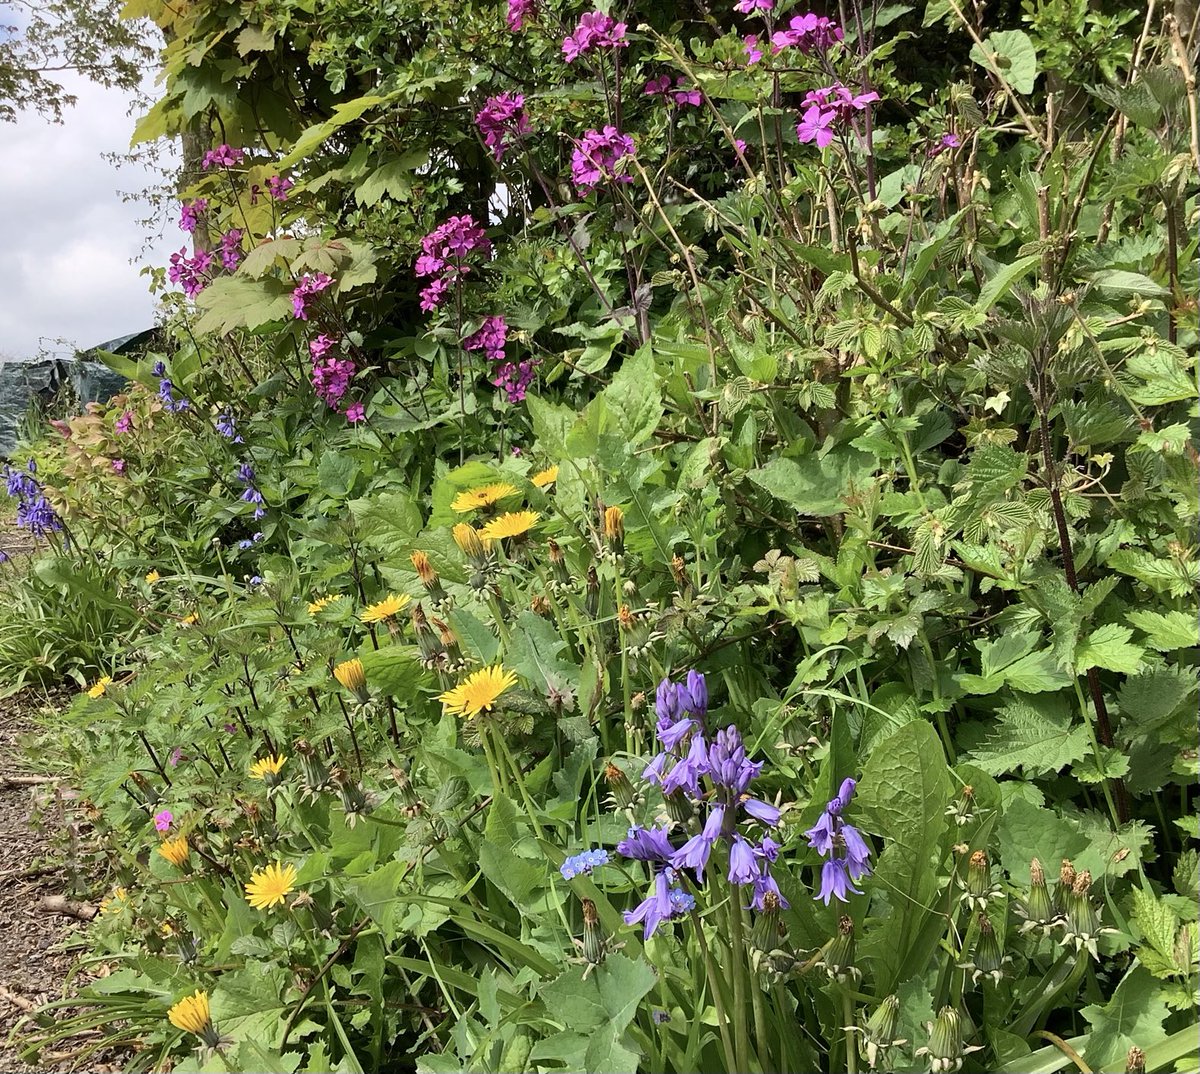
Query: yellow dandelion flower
[
  {"x": 546, "y": 477},
  {"x": 152, "y": 577},
  {"x": 166, "y": 930},
  {"x": 478, "y": 691},
  {"x": 176, "y": 850},
  {"x": 512, "y": 524},
  {"x": 115, "y": 902},
  {"x": 267, "y": 768},
  {"x": 384, "y": 609},
  {"x": 323, "y": 602},
  {"x": 484, "y": 496},
  {"x": 270, "y": 886},
  {"x": 353, "y": 676},
  {"x": 191, "y": 1014},
  {"x": 99, "y": 686},
  {"x": 191, "y": 619}
]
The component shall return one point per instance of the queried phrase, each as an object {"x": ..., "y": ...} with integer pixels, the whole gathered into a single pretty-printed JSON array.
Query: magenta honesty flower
[
  {"x": 224, "y": 156},
  {"x": 683, "y": 94},
  {"x": 278, "y": 187},
  {"x": 118, "y": 466},
  {"x": 597, "y": 156},
  {"x": 827, "y": 108},
  {"x": 490, "y": 338},
  {"x": 741, "y": 145},
  {"x": 751, "y": 49},
  {"x": 231, "y": 249},
  {"x": 189, "y": 272},
  {"x": 500, "y": 118},
  {"x": 518, "y": 12},
  {"x": 320, "y": 345},
  {"x": 816, "y": 126},
  {"x": 355, "y": 412},
  {"x": 162, "y": 821},
  {"x": 807, "y": 33},
  {"x": 748, "y": 6},
  {"x": 310, "y": 284},
  {"x": 190, "y": 213},
  {"x": 444, "y": 254},
  {"x": 595, "y": 30},
  {"x": 124, "y": 423},
  {"x": 515, "y": 378},
  {"x": 331, "y": 378}
]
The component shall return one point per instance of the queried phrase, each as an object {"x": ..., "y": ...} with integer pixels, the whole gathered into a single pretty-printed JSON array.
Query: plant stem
[
  {"x": 848, "y": 1020},
  {"x": 738, "y": 943},
  {"x": 714, "y": 984}
]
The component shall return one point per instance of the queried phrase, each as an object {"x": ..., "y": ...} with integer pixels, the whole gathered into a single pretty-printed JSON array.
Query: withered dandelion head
[
  {"x": 478, "y": 692},
  {"x": 484, "y": 496},
  {"x": 270, "y": 886},
  {"x": 385, "y": 609},
  {"x": 512, "y": 524}
]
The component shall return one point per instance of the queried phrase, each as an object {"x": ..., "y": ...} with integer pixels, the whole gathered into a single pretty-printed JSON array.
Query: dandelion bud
[
  {"x": 449, "y": 642},
  {"x": 945, "y": 1049},
  {"x": 470, "y": 544},
  {"x": 592, "y": 593},
  {"x": 355, "y": 804},
  {"x": 1038, "y": 909},
  {"x": 679, "y": 571},
  {"x": 987, "y": 960},
  {"x": 313, "y": 773},
  {"x": 838, "y": 958},
  {"x": 540, "y": 605},
  {"x": 979, "y": 888},
  {"x": 879, "y": 1034},
  {"x": 429, "y": 577},
  {"x": 963, "y": 808},
  {"x": 1135, "y": 1061},
  {"x": 1082, "y": 924},
  {"x": 558, "y": 564},
  {"x": 149, "y": 793},
  {"x": 614, "y": 529},
  {"x": 408, "y": 793},
  {"x": 767, "y": 932},
  {"x": 594, "y": 947},
  {"x": 620, "y": 789},
  {"x": 1066, "y": 881},
  {"x": 351, "y": 675}
]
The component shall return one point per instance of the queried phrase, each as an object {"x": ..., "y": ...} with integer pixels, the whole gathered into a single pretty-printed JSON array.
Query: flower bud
[
  {"x": 592, "y": 593},
  {"x": 471, "y": 545},
  {"x": 979, "y": 889},
  {"x": 558, "y": 565},
  {"x": 1066, "y": 881},
  {"x": 1082, "y": 926},
  {"x": 314, "y": 775},
  {"x": 614, "y": 529},
  {"x": 962, "y": 809},
  {"x": 429, "y": 577},
  {"x": 355, "y": 803},
  {"x": 987, "y": 960},
  {"x": 1038, "y": 909},
  {"x": 838, "y": 957},
  {"x": 1135, "y": 1061},
  {"x": 620, "y": 789},
  {"x": 593, "y": 934},
  {"x": 879, "y": 1034},
  {"x": 945, "y": 1048}
]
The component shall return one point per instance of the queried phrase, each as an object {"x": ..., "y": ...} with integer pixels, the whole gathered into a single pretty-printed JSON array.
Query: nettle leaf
[
  {"x": 533, "y": 653},
  {"x": 1155, "y": 695},
  {"x": 1160, "y": 574},
  {"x": 1108, "y": 647},
  {"x": 1167, "y": 631},
  {"x": 1133, "y": 1016},
  {"x": 634, "y": 399},
  {"x": 1159, "y": 927},
  {"x": 1036, "y": 734}
]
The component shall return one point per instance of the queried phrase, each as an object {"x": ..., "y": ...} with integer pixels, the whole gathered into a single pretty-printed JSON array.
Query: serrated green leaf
[
  {"x": 1108, "y": 647},
  {"x": 1167, "y": 631},
  {"x": 1036, "y": 734},
  {"x": 1133, "y": 1016}
]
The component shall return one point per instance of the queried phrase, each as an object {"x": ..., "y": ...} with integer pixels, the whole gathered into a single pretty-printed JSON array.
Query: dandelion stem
[{"x": 848, "y": 1021}]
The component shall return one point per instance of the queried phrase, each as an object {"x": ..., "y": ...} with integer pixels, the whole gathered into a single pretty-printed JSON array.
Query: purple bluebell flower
[
  {"x": 654, "y": 908},
  {"x": 762, "y": 812},
  {"x": 768, "y": 849},
  {"x": 727, "y": 762},
  {"x": 764, "y": 883},
  {"x": 255, "y": 580},
  {"x": 582, "y": 864},
  {"x": 653, "y": 772},
  {"x": 687, "y": 772},
  {"x": 245, "y": 473},
  {"x": 694, "y": 694},
  {"x": 646, "y": 844},
  {"x": 694, "y": 854},
  {"x": 743, "y": 867},
  {"x": 842, "y": 845},
  {"x": 666, "y": 703},
  {"x": 227, "y": 427}
]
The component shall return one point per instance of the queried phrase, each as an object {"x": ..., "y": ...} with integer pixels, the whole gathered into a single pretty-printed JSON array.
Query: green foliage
[{"x": 890, "y": 439}]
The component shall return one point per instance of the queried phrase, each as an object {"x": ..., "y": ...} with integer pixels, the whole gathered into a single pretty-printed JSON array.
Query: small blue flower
[
  {"x": 682, "y": 902},
  {"x": 582, "y": 864}
]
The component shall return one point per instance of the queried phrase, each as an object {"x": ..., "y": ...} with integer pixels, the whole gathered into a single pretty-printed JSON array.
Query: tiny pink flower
[
  {"x": 751, "y": 49},
  {"x": 163, "y": 820}
]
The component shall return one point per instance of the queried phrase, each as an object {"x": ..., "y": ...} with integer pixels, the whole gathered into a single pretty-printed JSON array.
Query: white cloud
[{"x": 71, "y": 246}]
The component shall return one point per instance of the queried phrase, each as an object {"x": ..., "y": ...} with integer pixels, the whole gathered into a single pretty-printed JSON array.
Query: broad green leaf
[
  {"x": 1028, "y": 831},
  {"x": 1133, "y": 1016},
  {"x": 314, "y": 136},
  {"x": 902, "y": 797},
  {"x": 1108, "y": 647},
  {"x": 392, "y": 180},
  {"x": 1167, "y": 631},
  {"x": 1009, "y": 54},
  {"x": 817, "y": 485},
  {"x": 1037, "y": 734},
  {"x": 476, "y": 638},
  {"x": 633, "y": 399},
  {"x": 1129, "y": 283},
  {"x": 516, "y": 876},
  {"x": 233, "y": 302},
  {"x": 998, "y": 286},
  {"x": 533, "y": 652}
]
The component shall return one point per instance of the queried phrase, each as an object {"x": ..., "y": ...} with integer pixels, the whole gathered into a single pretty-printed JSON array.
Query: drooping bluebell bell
[
  {"x": 227, "y": 427},
  {"x": 34, "y": 512},
  {"x": 245, "y": 474},
  {"x": 842, "y": 845}
]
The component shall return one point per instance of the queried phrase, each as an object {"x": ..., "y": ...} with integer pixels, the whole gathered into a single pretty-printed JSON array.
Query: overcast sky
[{"x": 72, "y": 249}]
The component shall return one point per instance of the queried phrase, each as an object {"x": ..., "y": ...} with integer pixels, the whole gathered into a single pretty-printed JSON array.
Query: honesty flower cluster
[
  {"x": 515, "y": 377},
  {"x": 595, "y": 30},
  {"x": 310, "y": 284},
  {"x": 490, "y": 338},
  {"x": 808, "y": 33},
  {"x": 828, "y": 110},
  {"x": 518, "y": 12},
  {"x": 445, "y": 254},
  {"x": 34, "y": 512},
  {"x": 223, "y": 156},
  {"x": 600, "y": 155},
  {"x": 842, "y": 845},
  {"x": 190, "y": 272},
  {"x": 502, "y": 118},
  {"x": 278, "y": 187},
  {"x": 747, "y": 7},
  {"x": 231, "y": 249},
  {"x": 331, "y": 373}
]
